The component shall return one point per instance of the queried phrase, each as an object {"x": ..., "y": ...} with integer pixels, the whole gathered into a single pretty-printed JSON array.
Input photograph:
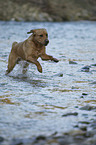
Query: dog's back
[{"x": 17, "y": 48}]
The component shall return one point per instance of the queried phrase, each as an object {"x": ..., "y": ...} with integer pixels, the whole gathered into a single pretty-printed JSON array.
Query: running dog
[{"x": 30, "y": 50}]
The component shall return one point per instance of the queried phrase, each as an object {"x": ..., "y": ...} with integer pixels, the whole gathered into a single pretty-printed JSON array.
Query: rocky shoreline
[
  {"x": 47, "y": 10},
  {"x": 84, "y": 133}
]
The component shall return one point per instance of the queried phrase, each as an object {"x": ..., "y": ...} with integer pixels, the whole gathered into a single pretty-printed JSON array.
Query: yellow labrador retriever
[{"x": 30, "y": 50}]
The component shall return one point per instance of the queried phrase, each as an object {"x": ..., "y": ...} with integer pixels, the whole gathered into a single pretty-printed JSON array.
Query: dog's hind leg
[
  {"x": 11, "y": 61},
  {"x": 25, "y": 67}
]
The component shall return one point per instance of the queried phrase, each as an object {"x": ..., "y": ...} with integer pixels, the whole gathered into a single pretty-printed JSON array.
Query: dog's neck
[{"x": 36, "y": 43}]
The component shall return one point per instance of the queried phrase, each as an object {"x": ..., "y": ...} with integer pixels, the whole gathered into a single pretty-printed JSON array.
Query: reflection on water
[
  {"x": 34, "y": 103},
  {"x": 35, "y": 114},
  {"x": 52, "y": 107},
  {"x": 26, "y": 79},
  {"x": 7, "y": 101},
  {"x": 65, "y": 90},
  {"x": 90, "y": 101}
]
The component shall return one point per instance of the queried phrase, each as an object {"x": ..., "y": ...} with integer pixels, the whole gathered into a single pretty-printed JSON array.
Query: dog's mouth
[{"x": 46, "y": 42}]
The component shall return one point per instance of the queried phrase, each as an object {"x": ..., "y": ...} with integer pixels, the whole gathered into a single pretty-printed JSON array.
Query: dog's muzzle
[{"x": 46, "y": 42}]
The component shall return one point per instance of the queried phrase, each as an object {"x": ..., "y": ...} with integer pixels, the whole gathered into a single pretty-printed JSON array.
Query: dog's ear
[{"x": 31, "y": 31}]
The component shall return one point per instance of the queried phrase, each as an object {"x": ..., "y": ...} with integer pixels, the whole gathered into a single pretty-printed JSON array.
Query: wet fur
[{"x": 30, "y": 50}]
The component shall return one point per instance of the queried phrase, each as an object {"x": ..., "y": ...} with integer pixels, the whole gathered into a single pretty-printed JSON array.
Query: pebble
[
  {"x": 84, "y": 122},
  {"x": 1, "y": 139},
  {"x": 81, "y": 96},
  {"x": 93, "y": 64},
  {"x": 69, "y": 114},
  {"x": 79, "y": 136},
  {"x": 58, "y": 75},
  {"x": 84, "y": 94},
  {"x": 88, "y": 108},
  {"x": 94, "y": 82},
  {"x": 72, "y": 62},
  {"x": 41, "y": 137},
  {"x": 84, "y": 128},
  {"x": 85, "y": 68},
  {"x": 76, "y": 126},
  {"x": 76, "y": 106}
]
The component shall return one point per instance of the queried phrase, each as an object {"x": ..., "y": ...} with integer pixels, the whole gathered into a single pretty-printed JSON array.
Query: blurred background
[{"x": 47, "y": 10}]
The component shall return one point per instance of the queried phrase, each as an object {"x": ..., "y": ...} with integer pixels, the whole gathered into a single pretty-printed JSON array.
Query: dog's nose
[{"x": 46, "y": 42}]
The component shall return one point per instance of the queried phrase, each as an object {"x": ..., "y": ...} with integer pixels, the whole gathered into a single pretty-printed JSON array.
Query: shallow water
[{"x": 33, "y": 104}]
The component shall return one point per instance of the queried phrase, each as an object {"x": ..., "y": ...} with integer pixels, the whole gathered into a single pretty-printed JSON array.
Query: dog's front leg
[
  {"x": 48, "y": 57},
  {"x": 34, "y": 61}
]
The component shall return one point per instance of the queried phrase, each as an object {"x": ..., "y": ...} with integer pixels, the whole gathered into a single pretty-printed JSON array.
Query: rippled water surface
[{"x": 34, "y": 103}]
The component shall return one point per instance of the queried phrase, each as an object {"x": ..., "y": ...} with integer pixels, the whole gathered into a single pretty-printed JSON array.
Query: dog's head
[{"x": 40, "y": 36}]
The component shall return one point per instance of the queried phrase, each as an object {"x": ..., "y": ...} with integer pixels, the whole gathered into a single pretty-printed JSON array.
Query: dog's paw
[
  {"x": 55, "y": 60},
  {"x": 40, "y": 69},
  {"x": 6, "y": 73}
]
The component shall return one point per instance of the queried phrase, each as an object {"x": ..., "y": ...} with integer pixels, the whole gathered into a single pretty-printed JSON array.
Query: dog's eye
[
  {"x": 47, "y": 35},
  {"x": 41, "y": 35}
]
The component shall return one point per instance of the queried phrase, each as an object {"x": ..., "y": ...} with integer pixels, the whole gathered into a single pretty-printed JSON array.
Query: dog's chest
[{"x": 38, "y": 52}]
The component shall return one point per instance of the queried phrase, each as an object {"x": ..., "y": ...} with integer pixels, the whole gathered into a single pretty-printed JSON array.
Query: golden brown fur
[{"x": 30, "y": 50}]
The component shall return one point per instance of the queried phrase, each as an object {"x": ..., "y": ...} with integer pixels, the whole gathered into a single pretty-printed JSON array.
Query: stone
[
  {"x": 88, "y": 108},
  {"x": 81, "y": 96},
  {"x": 58, "y": 75},
  {"x": 94, "y": 82},
  {"x": 84, "y": 128},
  {"x": 72, "y": 62},
  {"x": 69, "y": 114},
  {"x": 93, "y": 64},
  {"x": 85, "y": 68},
  {"x": 1, "y": 139},
  {"x": 84, "y": 122},
  {"x": 41, "y": 137},
  {"x": 84, "y": 94}
]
